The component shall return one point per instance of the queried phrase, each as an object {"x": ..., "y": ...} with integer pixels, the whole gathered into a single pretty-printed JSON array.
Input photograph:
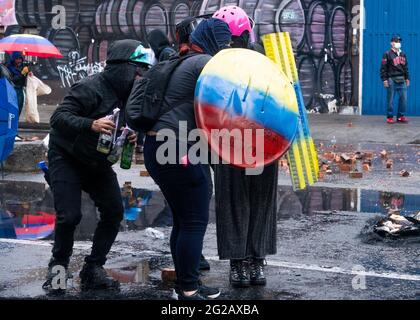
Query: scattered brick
[
  {"x": 345, "y": 167},
  {"x": 144, "y": 173},
  {"x": 368, "y": 162},
  {"x": 356, "y": 175},
  {"x": 345, "y": 157},
  {"x": 168, "y": 275},
  {"x": 404, "y": 173},
  {"x": 368, "y": 155},
  {"x": 329, "y": 155}
]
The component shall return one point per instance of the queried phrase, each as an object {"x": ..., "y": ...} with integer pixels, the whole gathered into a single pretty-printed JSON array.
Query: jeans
[
  {"x": 394, "y": 89},
  {"x": 68, "y": 179},
  {"x": 186, "y": 189}
]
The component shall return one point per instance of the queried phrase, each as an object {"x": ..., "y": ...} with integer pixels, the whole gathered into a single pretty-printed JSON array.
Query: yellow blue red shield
[{"x": 242, "y": 89}]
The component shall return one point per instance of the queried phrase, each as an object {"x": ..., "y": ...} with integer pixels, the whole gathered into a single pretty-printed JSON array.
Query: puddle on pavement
[
  {"x": 27, "y": 210},
  {"x": 317, "y": 199}
]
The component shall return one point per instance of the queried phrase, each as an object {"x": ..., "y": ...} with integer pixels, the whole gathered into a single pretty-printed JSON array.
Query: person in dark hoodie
[
  {"x": 19, "y": 73},
  {"x": 160, "y": 45},
  {"x": 396, "y": 79},
  {"x": 76, "y": 165},
  {"x": 185, "y": 186}
]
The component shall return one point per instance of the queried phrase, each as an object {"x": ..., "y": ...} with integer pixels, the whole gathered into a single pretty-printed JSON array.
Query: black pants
[
  {"x": 21, "y": 98},
  {"x": 186, "y": 190},
  {"x": 68, "y": 179}
]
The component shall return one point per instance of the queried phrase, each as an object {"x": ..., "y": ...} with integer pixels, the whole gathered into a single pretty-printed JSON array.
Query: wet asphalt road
[
  {"x": 324, "y": 244},
  {"x": 317, "y": 257}
]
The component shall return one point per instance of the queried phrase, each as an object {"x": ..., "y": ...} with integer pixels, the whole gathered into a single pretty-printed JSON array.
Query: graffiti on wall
[
  {"x": 77, "y": 69},
  {"x": 319, "y": 31},
  {"x": 7, "y": 13}
]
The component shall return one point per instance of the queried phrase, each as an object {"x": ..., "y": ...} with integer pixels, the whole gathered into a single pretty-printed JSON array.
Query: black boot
[
  {"x": 204, "y": 264},
  {"x": 239, "y": 274},
  {"x": 94, "y": 277},
  {"x": 57, "y": 276},
  {"x": 257, "y": 272}
]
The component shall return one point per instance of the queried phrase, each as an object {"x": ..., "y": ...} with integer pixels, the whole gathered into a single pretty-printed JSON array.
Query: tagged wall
[{"x": 83, "y": 30}]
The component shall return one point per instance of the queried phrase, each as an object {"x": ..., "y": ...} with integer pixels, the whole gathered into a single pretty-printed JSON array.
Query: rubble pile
[{"x": 395, "y": 225}]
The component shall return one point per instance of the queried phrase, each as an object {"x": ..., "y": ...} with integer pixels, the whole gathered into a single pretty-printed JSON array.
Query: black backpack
[{"x": 145, "y": 105}]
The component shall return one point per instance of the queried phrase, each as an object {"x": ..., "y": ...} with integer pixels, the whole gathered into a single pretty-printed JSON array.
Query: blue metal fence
[{"x": 383, "y": 19}]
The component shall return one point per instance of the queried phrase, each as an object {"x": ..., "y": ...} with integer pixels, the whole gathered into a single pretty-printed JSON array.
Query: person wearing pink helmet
[
  {"x": 240, "y": 24},
  {"x": 246, "y": 206}
]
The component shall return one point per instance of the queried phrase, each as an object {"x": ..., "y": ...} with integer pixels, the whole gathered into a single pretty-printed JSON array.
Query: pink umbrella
[{"x": 30, "y": 45}]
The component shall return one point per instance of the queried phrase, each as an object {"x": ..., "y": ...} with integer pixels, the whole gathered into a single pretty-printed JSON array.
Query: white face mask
[{"x": 397, "y": 45}]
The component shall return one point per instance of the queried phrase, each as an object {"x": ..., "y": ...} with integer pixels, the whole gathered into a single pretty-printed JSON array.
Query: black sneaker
[
  {"x": 206, "y": 292},
  {"x": 204, "y": 264},
  {"x": 195, "y": 296},
  {"x": 55, "y": 284},
  {"x": 239, "y": 274},
  {"x": 209, "y": 292},
  {"x": 257, "y": 276},
  {"x": 94, "y": 277}
]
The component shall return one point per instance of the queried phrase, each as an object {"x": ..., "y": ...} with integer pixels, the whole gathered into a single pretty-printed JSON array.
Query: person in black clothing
[
  {"x": 19, "y": 73},
  {"x": 246, "y": 205},
  {"x": 162, "y": 49},
  {"x": 160, "y": 45},
  {"x": 76, "y": 165},
  {"x": 185, "y": 187},
  {"x": 396, "y": 79},
  {"x": 183, "y": 32}
]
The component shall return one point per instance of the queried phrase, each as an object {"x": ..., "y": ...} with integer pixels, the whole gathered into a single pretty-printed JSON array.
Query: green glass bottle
[{"x": 127, "y": 155}]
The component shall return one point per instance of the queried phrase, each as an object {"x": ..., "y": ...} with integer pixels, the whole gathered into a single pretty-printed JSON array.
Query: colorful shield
[{"x": 247, "y": 108}]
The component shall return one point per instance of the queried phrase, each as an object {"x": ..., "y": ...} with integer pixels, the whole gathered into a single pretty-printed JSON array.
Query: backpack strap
[{"x": 181, "y": 59}]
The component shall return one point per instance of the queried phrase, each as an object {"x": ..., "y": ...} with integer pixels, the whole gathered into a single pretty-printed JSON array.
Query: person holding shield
[{"x": 245, "y": 205}]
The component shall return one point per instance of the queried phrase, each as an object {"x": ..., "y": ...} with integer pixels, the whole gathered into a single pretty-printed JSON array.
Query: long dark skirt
[{"x": 246, "y": 208}]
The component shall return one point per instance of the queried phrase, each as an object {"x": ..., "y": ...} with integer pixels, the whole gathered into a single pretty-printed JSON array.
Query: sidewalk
[{"x": 363, "y": 129}]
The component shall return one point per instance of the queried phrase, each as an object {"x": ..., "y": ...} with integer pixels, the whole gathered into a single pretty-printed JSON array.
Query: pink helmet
[{"x": 236, "y": 18}]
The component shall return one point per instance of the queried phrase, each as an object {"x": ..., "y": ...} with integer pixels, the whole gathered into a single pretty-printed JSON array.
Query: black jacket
[
  {"x": 71, "y": 134},
  {"x": 18, "y": 80},
  {"x": 160, "y": 45},
  {"x": 93, "y": 98},
  {"x": 180, "y": 93},
  {"x": 394, "y": 65}
]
